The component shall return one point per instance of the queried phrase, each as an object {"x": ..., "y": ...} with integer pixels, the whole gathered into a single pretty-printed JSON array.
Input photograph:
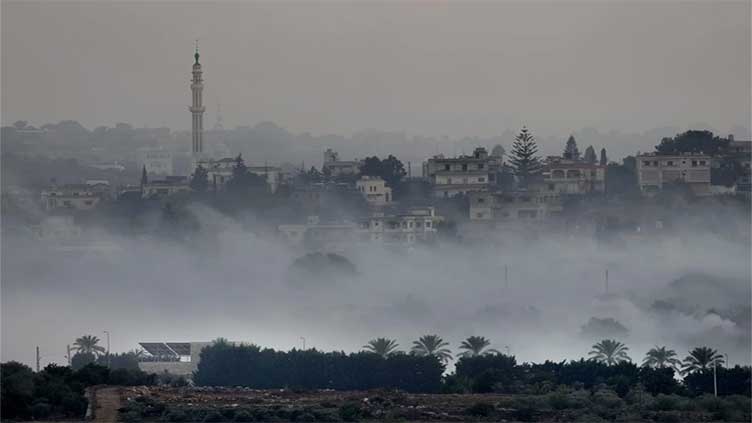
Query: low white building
[
  {"x": 514, "y": 206},
  {"x": 75, "y": 196},
  {"x": 171, "y": 185},
  {"x": 220, "y": 172},
  {"x": 408, "y": 227},
  {"x": 655, "y": 171},
  {"x": 176, "y": 358},
  {"x": 156, "y": 161},
  {"x": 333, "y": 166},
  {"x": 374, "y": 190}
]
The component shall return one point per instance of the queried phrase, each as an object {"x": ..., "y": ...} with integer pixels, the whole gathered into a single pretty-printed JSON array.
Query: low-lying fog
[{"x": 236, "y": 285}]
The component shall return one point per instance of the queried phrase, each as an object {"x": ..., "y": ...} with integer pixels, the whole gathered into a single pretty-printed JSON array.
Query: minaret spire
[{"x": 197, "y": 108}]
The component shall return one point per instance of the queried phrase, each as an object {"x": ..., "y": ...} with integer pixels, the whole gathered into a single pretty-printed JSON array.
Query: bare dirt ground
[{"x": 107, "y": 404}]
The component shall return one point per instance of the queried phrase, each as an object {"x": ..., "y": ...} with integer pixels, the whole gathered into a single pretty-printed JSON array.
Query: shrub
[
  {"x": 480, "y": 409},
  {"x": 213, "y": 417},
  {"x": 243, "y": 416},
  {"x": 350, "y": 412},
  {"x": 41, "y": 410}
]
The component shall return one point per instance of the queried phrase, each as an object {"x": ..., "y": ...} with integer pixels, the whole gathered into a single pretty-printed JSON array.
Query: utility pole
[
  {"x": 715, "y": 377},
  {"x": 606, "y": 281},
  {"x": 303, "y": 339},
  {"x": 506, "y": 276},
  {"x": 108, "y": 348},
  {"x": 38, "y": 358}
]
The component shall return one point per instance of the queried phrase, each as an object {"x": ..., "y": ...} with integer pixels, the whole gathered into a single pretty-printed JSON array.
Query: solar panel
[
  {"x": 181, "y": 348},
  {"x": 157, "y": 349}
]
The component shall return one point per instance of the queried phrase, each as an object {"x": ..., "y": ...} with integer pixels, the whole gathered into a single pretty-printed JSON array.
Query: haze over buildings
[{"x": 423, "y": 67}]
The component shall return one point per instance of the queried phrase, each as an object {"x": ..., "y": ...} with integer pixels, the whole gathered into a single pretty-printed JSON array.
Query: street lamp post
[
  {"x": 302, "y": 338},
  {"x": 715, "y": 377},
  {"x": 109, "y": 362}
]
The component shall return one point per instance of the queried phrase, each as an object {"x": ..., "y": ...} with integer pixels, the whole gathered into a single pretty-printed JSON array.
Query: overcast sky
[{"x": 426, "y": 67}]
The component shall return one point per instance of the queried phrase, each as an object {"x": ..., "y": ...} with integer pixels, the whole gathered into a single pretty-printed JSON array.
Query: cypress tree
[
  {"x": 523, "y": 157},
  {"x": 570, "y": 151}
]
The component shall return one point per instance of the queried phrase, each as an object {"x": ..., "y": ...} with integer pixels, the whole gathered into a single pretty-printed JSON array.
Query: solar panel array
[{"x": 167, "y": 349}]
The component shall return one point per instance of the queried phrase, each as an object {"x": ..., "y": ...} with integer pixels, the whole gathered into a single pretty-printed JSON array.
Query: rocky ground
[{"x": 240, "y": 404}]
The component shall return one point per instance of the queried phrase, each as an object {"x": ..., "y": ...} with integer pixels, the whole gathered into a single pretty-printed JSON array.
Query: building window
[
  {"x": 646, "y": 163},
  {"x": 702, "y": 162},
  {"x": 446, "y": 167},
  {"x": 88, "y": 202},
  {"x": 479, "y": 215},
  {"x": 480, "y": 165},
  {"x": 669, "y": 163},
  {"x": 694, "y": 163},
  {"x": 464, "y": 167},
  {"x": 551, "y": 187},
  {"x": 481, "y": 179},
  {"x": 428, "y": 223},
  {"x": 481, "y": 200}
]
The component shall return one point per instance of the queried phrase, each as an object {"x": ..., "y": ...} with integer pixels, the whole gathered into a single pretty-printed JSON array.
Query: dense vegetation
[
  {"x": 224, "y": 364},
  {"x": 57, "y": 391}
]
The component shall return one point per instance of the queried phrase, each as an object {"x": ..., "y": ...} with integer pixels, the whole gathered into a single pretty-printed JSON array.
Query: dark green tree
[
  {"x": 700, "y": 359},
  {"x": 660, "y": 357},
  {"x": 609, "y": 352},
  {"x": 524, "y": 159},
  {"x": 604, "y": 158},
  {"x": 476, "y": 345},
  {"x": 570, "y": 150},
  {"x": 200, "y": 179},
  {"x": 432, "y": 345},
  {"x": 384, "y": 347},
  {"x": 88, "y": 344},
  {"x": 590, "y": 156},
  {"x": 692, "y": 141},
  {"x": 391, "y": 169}
]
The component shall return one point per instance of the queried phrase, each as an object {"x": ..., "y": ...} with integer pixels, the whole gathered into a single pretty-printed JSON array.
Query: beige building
[
  {"x": 75, "y": 196},
  {"x": 407, "y": 227},
  {"x": 156, "y": 161},
  {"x": 655, "y": 171},
  {"x": 575, "y": 177},
  {"x": 514, "y": 206},
  {"x": 220, "y": 172},
  {"x": 374, "y": 190},
  {"x": 165, "y": 187},
  {"x": 459, "y": 175}
]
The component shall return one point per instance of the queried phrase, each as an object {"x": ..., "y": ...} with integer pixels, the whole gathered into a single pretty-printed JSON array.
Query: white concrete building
[
  {"x": 408, "y": 227},
  {"x": 156, "y": 161},
  {"x": 165, "y": 187},
  {"x": 176, "y": 358},
  {"x": 74, "y": 196},
  {"x": 514, "y": 206},
  {"x": 655, "y": 171},
  {"x": 374, "y": 190},
  {"x": 333, "y": 166},
  {"x": 575, "y": 177},
  {"x": 220, "y": 172},
  {"x": 459, "y": 175}
]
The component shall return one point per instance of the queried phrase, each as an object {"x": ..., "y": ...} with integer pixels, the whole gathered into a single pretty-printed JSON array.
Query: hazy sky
[{"x": 425, "y": 67}]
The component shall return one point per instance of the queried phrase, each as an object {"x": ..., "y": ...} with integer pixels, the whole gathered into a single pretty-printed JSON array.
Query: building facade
[
  {"x": 459, "y": 175},
  {"x": 171, "y": 185},
  {"x": 75, "y": 196},
  {"x": 375, "y": 191},
  {"x": 333, "y": 166},
  {"x": 574, "y": 177},
  {"x": 654, "y": 172},
  {"x": 514, "y": 206}
]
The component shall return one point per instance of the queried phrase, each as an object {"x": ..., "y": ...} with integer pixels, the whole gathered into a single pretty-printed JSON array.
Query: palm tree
[
  {"x": 701, "y": 358},
  {"x": 660, "y": 358},
  {"x": 432, "y": 345},
  {"x": 475, "y": 345},
  {"x": 382, "y": 346},
  {"x": 87, "y": 344},
  {"x": 610, "y": 351}
]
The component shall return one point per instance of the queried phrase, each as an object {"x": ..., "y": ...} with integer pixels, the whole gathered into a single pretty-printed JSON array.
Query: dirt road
[{"x": 108, "y": 402}]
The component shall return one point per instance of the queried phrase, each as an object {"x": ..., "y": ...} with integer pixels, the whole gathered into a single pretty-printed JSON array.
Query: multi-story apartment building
[
  {"x": 375, "y": 191},
  {"x": 655, "y": 171},
  {"x": 75, "y": 196},
  {"x": 514, "y": 206},
  {"x": 406, "y": 227},
  {"x": 165, "y": 187},
  {"x": 156, "y": 161},
  {"x": 459, "y": 175},
  {"x": 574, "y": 177}
]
